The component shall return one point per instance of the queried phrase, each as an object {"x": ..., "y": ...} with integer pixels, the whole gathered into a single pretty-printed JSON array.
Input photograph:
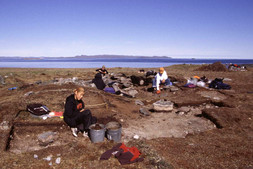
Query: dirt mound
[{"x": 217, "y": 66}]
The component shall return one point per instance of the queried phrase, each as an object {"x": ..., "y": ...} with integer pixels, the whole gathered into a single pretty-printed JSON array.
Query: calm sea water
[{"x": 122, "y": 62}]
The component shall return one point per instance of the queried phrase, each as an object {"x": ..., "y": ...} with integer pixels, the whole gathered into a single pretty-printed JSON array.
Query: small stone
[
  {"x": 136, "y": 137},
  {"x": 44, "y": 117},
  {"x": 138, "y": 102},
  {"x": 47, "y": 138},
  {"x": 4, "y": 125},
  {"x": 48, "y": 158},
  {"x": 28, "y": 93},
  {"x": 129, "y": 92},
  {"x": 174, "y": 88},
  {"x": 181, "y": 113},
  {"x": 2, "y": 80},
  {"x": 75, "y": 78},
  {"x": 208, "y": 106},
  {"x": 144, "y": 111},
  {"x": 184, "y": 109},
  {"x": 35, "y": 156},
  {"x": 58, "y": 160}
]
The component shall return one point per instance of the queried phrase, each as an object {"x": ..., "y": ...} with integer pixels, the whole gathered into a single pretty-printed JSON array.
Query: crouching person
[
  {"x": 78, "y": 118},
  {"x": 161, "y": 78}
]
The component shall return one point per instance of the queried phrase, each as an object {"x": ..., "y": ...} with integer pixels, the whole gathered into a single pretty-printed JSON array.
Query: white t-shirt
[{"x": 160, "y": 77}]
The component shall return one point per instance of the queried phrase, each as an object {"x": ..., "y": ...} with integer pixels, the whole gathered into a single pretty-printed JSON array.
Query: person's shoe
[
  {"x": 85, "y": 134},
  {"x": 158, "y": 91},
  {"x": 74, "y": 131}
]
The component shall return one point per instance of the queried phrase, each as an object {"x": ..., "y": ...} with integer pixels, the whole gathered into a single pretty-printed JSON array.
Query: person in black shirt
[
  {"x": 78, "y": 118},
  {"x": 102, "y": 70}
]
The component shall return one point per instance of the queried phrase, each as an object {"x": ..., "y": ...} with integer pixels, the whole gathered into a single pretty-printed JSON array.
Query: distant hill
[
  {"x": 81, "y": 57},
  {"x": 118, "y": 56}
]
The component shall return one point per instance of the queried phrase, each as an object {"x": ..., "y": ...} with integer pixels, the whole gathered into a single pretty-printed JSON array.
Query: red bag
[{"x": 132, "y": 150}]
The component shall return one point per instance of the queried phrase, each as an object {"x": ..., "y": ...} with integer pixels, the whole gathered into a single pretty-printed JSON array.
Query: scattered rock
[
  {"x": 28, "y": 93},
  {"x": 58, "y": 160},
  {"x": 227, "y": 79},
  {"x": 129, "y": 91},
  {"x": 48, "y": 158},
  {"x": 136, "y": 137},
  {"x": 181, "y": 113},
  {"x": 2, "y": 80},
  {"x": 73, "y": 80},
  {"x": 163, "y": 105},
  {"x": 38, "y": 82},
  {"x": 47, "y": 138},
  {"x": 126, "y": 82},
  {"x": 214, "y": 95},
  {"x": 173, "y": 88},
  {"x": 144, "y": 111},
  {"x": 106, "y": 79},
  {"x": 138, "y": 102},
  {"x": 4, "y": 125},
  {"x": 184, "y": 109}
]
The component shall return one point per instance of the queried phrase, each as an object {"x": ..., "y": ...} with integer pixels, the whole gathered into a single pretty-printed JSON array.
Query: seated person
[
  {"x": 102, "y": 70},
  {"x": 78, "y": 118},
  {"x": 98, "y": 81},
  {"x": 161, "y": 78}
]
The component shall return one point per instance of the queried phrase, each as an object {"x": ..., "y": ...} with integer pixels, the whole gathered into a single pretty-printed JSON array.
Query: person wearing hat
[
  {"x": 161, "y": 78},
  {"x": 102, "y": 70}
]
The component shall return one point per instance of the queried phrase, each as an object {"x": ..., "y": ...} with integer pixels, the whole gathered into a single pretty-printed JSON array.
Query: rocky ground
[{"x": 207, "y": 128}]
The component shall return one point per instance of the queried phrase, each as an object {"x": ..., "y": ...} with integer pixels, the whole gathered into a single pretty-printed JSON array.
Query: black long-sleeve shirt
[
  {"x": 102, "y": 71},
  {"x": 72, "y": 108}
]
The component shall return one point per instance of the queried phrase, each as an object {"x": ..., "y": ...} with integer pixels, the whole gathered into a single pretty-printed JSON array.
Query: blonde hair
[
  {"x": 79, "y": 89},
  {"x": 161, "y": 69}
]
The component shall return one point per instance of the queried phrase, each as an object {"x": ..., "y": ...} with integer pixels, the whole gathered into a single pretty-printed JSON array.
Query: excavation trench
[{"x": 157, "y": 125}]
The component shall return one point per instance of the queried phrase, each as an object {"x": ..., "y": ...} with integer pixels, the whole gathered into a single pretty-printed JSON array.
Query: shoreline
[{"x": 117, "y": 67}]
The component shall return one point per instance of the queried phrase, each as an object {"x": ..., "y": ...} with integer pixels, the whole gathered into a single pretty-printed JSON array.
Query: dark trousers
[{"x": 82, "y": 121}]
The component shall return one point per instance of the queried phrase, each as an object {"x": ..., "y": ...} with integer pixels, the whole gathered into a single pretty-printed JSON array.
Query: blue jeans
[{"x": 167, "y": 82}]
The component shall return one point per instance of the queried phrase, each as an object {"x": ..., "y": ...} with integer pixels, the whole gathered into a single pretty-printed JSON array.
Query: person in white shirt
[{"x": 161, "y": 78}]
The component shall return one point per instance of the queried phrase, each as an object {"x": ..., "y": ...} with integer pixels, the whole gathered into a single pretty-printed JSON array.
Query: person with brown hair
[{"x": 75, "y": 115}]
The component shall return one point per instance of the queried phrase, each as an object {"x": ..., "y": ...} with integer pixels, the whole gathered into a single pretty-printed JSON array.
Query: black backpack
[
  {"x": 218, "y": 84},
  {"x": 37, "y": 109}
]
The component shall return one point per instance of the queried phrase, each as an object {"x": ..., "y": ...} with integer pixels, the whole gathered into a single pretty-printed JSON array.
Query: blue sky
[{"x": 175, "y": 28}]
